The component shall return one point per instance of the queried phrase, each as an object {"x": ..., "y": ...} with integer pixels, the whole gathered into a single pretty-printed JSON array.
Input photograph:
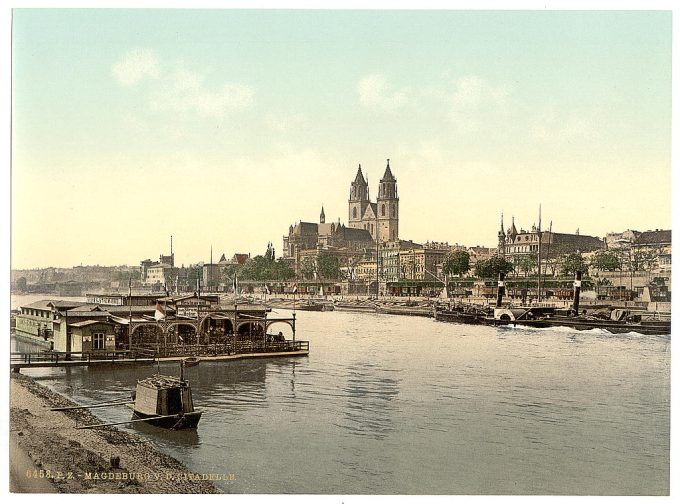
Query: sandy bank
[{"x": 49, "y": 455}]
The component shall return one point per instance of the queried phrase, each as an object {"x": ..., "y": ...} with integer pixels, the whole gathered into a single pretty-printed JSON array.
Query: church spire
[
  {"x": 388, "y": 177},
  {"x": 388, "y": 185},
  {"x": 322, "y": 217},
  {"x": 359, "y": 179}
]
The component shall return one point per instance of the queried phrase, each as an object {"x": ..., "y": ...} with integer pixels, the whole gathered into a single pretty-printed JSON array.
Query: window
[
  {"x": 354, "y": 213},
  {"x": 382, "y": 209},
  {"x": 98, "y": 341}
]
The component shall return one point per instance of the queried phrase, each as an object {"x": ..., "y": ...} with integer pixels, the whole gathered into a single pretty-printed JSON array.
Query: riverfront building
[
  {"x": 422, "y": 263},
  {"x": 369, "y": 222},
  {"x": 173, "y": 320},
  {"x": 515, "y": 244}
]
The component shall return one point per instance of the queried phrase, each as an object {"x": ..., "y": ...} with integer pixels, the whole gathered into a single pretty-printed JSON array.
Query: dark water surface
[{"x": 388, "y": 404}]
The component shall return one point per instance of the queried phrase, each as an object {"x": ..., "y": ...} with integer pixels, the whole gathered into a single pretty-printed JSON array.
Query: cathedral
[
  {"x": 381, "y": 219},
  {"x": 367, "y": 221}
]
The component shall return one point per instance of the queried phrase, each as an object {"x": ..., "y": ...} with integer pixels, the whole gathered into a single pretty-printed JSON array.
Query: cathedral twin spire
[{"x": 381, "y": 219}]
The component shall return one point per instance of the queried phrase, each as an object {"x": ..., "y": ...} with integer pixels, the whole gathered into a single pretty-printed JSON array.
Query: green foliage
[
  {"x": 193, "y": 274},
  {"x": 605, "y": 260},
  {"x": 456, "y": 263},
  {"x": 570, "y": 263},
  {"x": 270, "y": 254},
  {"x": 328, "y": 267},
  {"x": 21, "y": 283},
  {"x": 307, "y": 268},
  {"x": 490, "y": 268},
  {"x": 261, "y": 268},
  {"x": 526, "y": 262},
  {"x": 643, "y": 260}
]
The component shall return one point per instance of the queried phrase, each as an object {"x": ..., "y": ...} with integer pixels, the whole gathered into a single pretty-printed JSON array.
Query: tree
[
  {"x": 307, "y": 268},
  {"x": 270, "y": 255},
  {"x": 525, "y": 262},
  {"x": 456, "y": 263},
  {"x": 21, "y": 284},
  {"x": 490, "y": 268},
  {"x": 329, "y": 266},
  {"x": 573, "y": 262},
  {"x": 605, "y": 260}
]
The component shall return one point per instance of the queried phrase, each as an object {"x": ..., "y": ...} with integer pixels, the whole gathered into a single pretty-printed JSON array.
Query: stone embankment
[{"x": 49, "y": 455}]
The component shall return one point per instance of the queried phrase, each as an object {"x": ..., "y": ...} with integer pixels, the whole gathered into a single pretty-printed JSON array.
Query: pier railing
[
  {"x": 232, "y": 348},
  {"x": 52, "y": 357},
  {"x": 150, "y": 353}
]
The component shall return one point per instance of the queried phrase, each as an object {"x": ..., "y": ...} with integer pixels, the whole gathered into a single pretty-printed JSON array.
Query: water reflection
[
  {"x": 449, "y": 409},
  {"x": 369, "y": 391},
  {"x": 180, "y": 438}
]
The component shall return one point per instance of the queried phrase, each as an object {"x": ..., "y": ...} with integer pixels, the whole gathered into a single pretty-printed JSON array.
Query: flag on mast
[
  {"x": 160, "y": 312},
  {"x": 295, "y": 288},
  {"x": 235, "y": 285}
]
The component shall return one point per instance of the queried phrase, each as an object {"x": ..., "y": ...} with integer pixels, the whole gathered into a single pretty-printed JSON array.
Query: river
[{"x": 389, "y": 404}]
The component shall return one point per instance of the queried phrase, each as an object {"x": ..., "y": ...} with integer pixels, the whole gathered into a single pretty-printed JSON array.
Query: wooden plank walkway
[{"x": 20, "y": 361}]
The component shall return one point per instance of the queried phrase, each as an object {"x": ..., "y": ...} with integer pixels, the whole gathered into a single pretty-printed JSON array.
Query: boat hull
[
  {"x": 650, "y": 328},
  {"x": 177, "y": 422},
  {"x": 464, "y": 317}
]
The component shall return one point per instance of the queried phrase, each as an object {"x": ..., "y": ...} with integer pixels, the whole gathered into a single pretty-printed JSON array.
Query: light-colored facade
[
  {"x": 380, "y": 219},
  {"x": 422, "y": 263},
  {"x": 365, "y": 270},
  {"x": 389, "y": 263},
  {"x": 514, "y": 244}
]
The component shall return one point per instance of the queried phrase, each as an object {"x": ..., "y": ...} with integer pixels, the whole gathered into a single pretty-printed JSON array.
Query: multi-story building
[
  {"x": 514, "y": 244},
  {"x": 370, "y": 224},
  {"x": 159, "y": 273},
  {"x": 422, "y": 263},
  {"x": 388, "y": 262}
]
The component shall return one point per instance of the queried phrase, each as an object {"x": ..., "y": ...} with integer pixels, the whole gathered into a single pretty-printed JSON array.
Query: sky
[{"x": 223, "y": 127}]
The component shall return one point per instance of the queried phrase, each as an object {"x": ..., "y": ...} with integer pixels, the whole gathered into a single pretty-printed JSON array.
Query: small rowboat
[
  {"x": 163, "y": 401},
  {"x": 191, "y": 361}
]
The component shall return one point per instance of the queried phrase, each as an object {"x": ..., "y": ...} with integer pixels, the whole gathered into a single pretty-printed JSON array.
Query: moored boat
[
  {"x": 191, "y": 361},
  {"x": 311, "y": 306},
  {"x": 464, "y": 314},
  {"x": 165, "y": 401}
]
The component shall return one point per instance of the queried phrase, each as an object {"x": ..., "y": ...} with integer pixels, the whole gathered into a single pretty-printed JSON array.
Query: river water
[{"x": 388, "y": 404}]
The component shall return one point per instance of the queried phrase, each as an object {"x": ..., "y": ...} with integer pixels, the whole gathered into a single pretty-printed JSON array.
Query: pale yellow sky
[{"x": 131, "y": 126}]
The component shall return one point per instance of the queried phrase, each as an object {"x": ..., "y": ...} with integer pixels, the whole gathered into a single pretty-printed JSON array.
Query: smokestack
[
  {"x": 577, "y": 291},
  {"x": 501, "y": 289}
]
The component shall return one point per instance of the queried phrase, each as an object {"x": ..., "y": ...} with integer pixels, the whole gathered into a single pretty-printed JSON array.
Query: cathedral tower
[
  {"x": 388, "y": 207},
  {"x": 358, "y": 200}
]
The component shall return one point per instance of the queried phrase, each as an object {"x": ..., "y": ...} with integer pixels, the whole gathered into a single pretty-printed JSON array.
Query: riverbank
[{"x": 49, "y": 455}]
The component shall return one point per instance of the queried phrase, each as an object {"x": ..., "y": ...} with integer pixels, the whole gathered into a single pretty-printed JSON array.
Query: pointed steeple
[
  {"x": 359, "y": 179},
  {"x": 388, "y": 185},
  {"x": 513, "y": 230},
  {"x": 388, "y": 177},
  {"x": 502, "y": 231},
  {"x": 322, "y": 217}
]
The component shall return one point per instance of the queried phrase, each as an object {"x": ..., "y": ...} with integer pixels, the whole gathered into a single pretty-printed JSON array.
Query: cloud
[
  {"x": 282, "y": 124},
  {"x": 180, "y": 89},
  {"x": 135, "y": 65},
  {"x": 549, "y": 127},
  {"x": 185, "y": 91},
  {"x": 474, "y": 101},
  {"x": 375, "y": 93}
]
